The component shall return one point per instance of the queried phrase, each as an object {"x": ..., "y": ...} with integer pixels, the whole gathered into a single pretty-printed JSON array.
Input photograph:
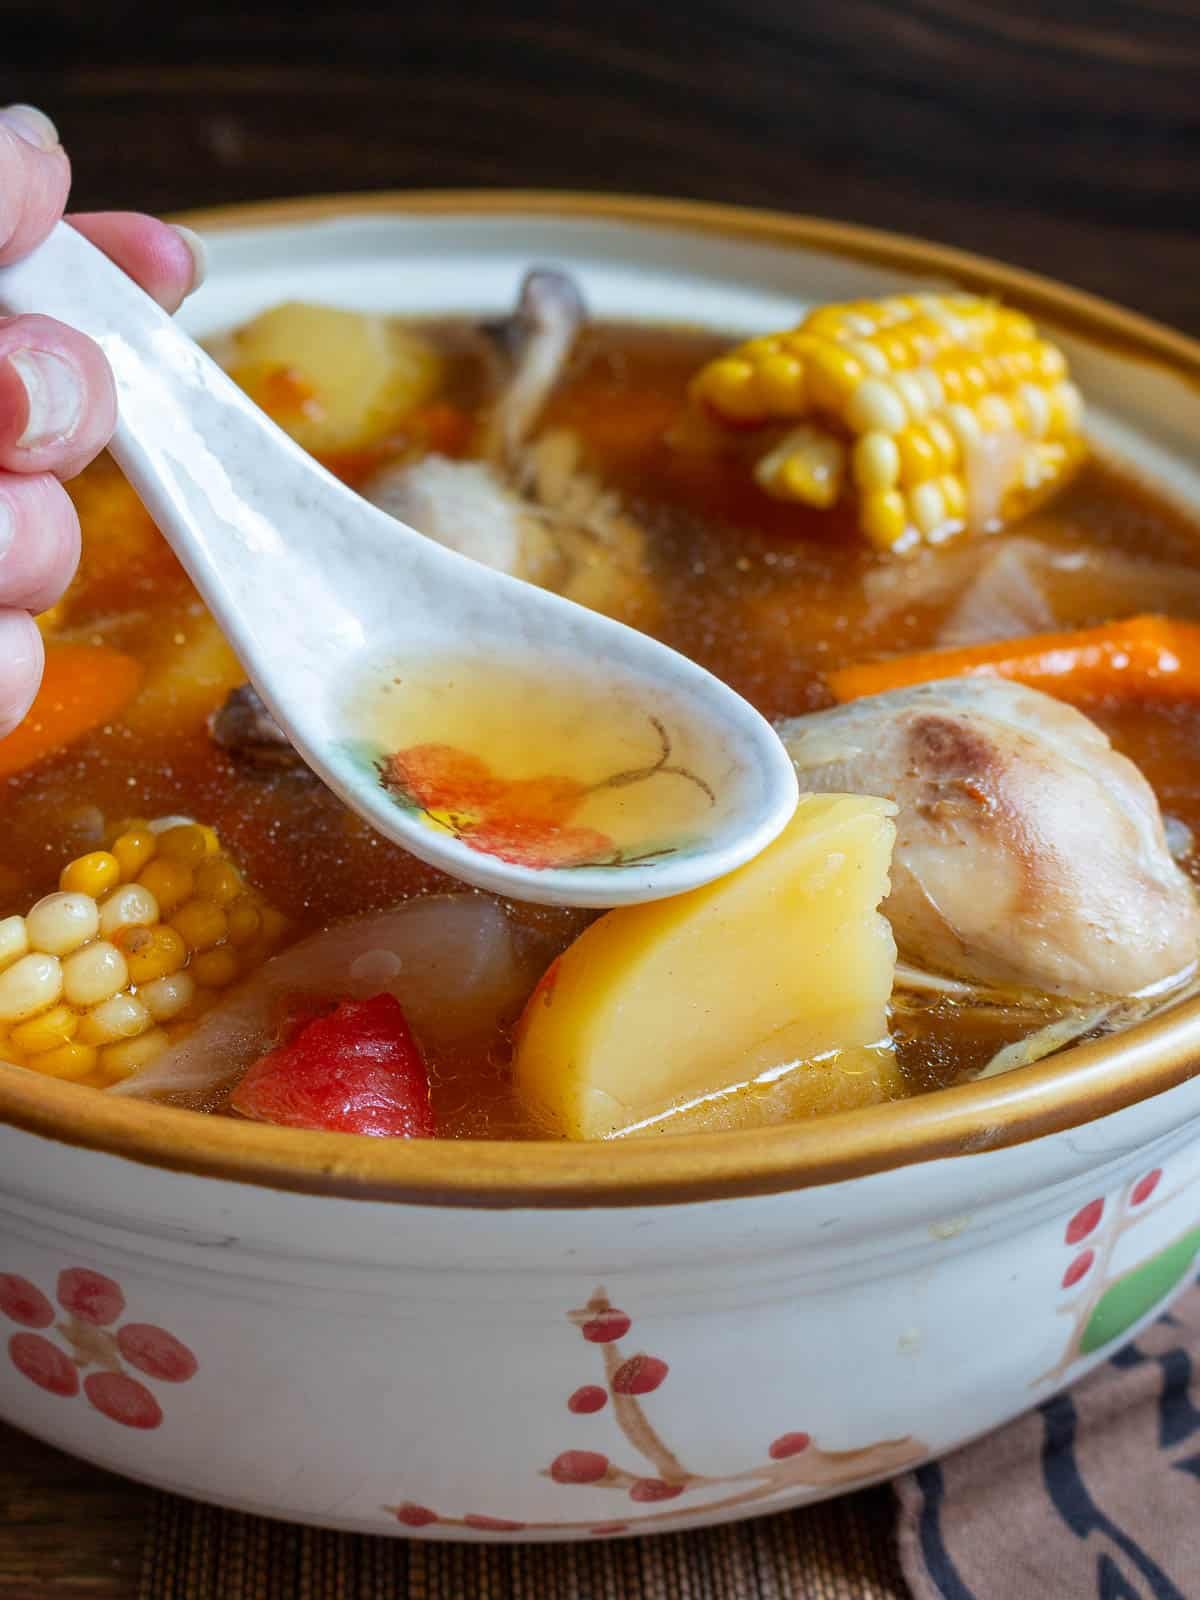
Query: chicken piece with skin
[{"x": 1029, "y": 853}]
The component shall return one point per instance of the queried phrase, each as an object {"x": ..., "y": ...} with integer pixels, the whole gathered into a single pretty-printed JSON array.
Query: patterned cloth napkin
[{"x": 1093, "y": 1496}]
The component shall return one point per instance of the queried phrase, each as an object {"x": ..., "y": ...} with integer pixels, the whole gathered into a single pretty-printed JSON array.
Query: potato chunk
[
  {"x": 332, "y": 379},
  {"x": 190, "y": 669},
  {"x": 785, "y": 960}
]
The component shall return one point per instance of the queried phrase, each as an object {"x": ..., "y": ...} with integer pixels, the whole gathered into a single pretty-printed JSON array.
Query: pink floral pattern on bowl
[
  {"x": 95, "y": 1342},
  {"x": 793, "y": 1459}
]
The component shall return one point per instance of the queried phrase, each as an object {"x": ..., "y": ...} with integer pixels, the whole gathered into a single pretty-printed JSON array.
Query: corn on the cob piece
[
  {"x": 953, "y": 413},
  {"x": 135, "y": 943}
]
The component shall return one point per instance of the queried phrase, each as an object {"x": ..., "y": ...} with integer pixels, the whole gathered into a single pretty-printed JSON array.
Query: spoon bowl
[{"x": 332, "y": 604}]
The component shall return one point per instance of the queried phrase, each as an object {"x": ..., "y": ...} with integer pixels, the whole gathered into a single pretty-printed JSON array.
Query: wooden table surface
[{"x": 1065, "y": 138}]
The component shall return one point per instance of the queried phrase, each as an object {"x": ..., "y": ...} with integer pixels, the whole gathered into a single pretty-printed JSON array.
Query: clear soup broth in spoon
[{"x": 528, "y": 762}]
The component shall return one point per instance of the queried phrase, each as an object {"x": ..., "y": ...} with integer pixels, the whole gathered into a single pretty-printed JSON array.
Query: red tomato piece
[{"x": 357, "y": 1069}]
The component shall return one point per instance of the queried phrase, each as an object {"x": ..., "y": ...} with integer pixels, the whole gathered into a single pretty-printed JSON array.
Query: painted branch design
[{"x": 793, "y": 1460}]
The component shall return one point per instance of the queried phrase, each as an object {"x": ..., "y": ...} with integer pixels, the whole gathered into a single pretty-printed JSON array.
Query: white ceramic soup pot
[{"x": 524, "y": 1341}]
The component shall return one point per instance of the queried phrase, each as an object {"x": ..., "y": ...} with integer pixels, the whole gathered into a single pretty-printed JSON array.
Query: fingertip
[
  {"x": 34, "y": 126},
  {"x": 22, "y": 657},
  {"x": 58, "y": 401},
  {"x": 34, "y": 183},
  {"x": 166, "y": 261},
  {"x": 39, "y": 542}
]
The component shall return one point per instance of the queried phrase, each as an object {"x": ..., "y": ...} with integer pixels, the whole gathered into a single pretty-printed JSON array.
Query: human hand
[{"x": 57, "y": 401}]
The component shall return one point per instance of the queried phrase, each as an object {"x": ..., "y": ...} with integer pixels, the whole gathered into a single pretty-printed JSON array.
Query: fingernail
[
  {"x": 53, "y": 395},
  {"x": 199, "y": 252},
  {"x": 32, "y": 125}
]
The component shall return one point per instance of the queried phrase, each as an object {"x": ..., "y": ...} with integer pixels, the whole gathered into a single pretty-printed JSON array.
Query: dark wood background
[{"x": 1063, "y": 136}]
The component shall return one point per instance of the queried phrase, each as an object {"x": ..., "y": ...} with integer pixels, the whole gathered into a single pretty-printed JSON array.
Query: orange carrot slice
[
  {"x": 1136, "y": 658},
  {"x": 84, "y": 686}
]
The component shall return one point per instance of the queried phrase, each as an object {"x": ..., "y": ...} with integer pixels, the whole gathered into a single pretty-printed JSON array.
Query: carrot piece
[
  {"x": 83, "y": 687},
  {"x": 1135, "y": 658}
]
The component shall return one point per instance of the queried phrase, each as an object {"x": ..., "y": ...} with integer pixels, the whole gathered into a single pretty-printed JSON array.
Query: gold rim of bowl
[{"x": 1066, "y": 1091}]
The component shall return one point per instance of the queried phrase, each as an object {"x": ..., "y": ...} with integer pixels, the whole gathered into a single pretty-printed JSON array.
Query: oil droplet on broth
[{"x": 536, "y": 765}]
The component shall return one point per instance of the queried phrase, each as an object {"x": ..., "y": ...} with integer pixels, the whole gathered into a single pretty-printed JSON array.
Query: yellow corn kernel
[
  {"x": 943, "y": 441},
  {"x": 953, "y": 388},
  {"x": 71, "y": 1061},
  {"x": 218, "y": 880},
  {"x": 214, "y": 969},
  {"x": 781, "y": 381},
  {"x": 919, "y": 458},
  {"x": 131, "y": 1055},
  {"x": 170, "y": 882},
  {"x": 122, "y": 1016},
  {"x": 895, "y": 351},
  {"x": 133, "y": 850},
  {"x": 45, "y": 1032},
  {"x": 833, "y": 375},
  {"x": 805, "y": 465},
  {"x": 876, "y": 463},
  {"x": 1015, "y": 325},
  {"x": 59, "y": 923},
  {"x": 274, "y": 924},
  {"x": 954, "y": 493},
  {"x": 1012, "y": 366},
  {"x": 14, "y": 941},
  {"x": 927, "y": 337},
  {"x": 32, "y": 984},
  {"x": 94, "y": 973},
  {"x": 827, "y": 322},
  {"x": 884, "y": 517},
  {"x": 152, "y": 952},
  {"x": 94, "y": 874},
  {"x": 244, "y": 920},
  {"x": 731, "y": 386},
  {"x": 185, "y": 844},
  {"x": 200, "y": 924}
]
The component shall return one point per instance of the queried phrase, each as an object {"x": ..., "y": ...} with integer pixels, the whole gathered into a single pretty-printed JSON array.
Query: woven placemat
[{"x": 842, "y": 1550}]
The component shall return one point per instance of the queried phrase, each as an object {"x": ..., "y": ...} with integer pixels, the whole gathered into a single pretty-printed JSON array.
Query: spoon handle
[{"x": 205, "y": 461}]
